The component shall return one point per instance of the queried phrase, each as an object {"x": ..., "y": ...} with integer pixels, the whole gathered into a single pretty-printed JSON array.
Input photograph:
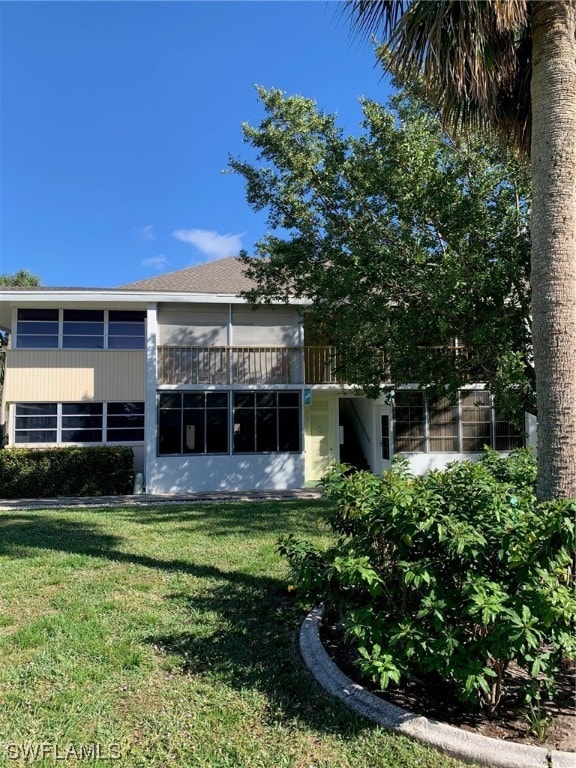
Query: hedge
[{"x": 67, "y": 471}]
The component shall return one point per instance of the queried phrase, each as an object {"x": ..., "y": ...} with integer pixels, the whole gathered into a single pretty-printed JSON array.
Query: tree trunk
[{"x": 554, "y": 242}]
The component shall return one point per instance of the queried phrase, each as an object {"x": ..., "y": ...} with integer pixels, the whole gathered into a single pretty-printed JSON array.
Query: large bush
[
  {"x": 66, "y": 471},
  {"x": 457, "y": 574}
]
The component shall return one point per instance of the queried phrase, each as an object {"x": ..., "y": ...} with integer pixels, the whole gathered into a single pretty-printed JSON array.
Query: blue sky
[{"x": 117, "y": 120}]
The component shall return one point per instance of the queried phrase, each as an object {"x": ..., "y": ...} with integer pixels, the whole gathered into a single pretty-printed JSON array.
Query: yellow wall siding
[{"x": 68, "y": 375}]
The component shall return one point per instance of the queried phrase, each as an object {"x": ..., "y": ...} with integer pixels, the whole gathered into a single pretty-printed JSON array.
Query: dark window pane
[
  {"x": 195, "y": 400},
  {"x": 266, "y": 400},
  {"x": 243, "y": 399},
  {"x": 37, "y": 342},
  {"x": 126, "y": 329},
  {"x": 288, "y": 430},
  {"x": 123, "y": 422},
  {"x": 216, "y": 400},
  {"x": 81, "y": 435},
  {"x": 83, "y": 342},
  {"x": 35, "y": 436},
  {"x": 36, "y": 422},
  {"x": 83, "y": 329},
  {"x": 172, "y": 400},
  {"x": 266, "y": 430},
  {"x": 38, "y": 329},
  {"x": 288, "y": 399},
  {"x": 169, "y": 432},
  {"x": 194, "y": 431},
  {"x": 84, "y": 315},
  {"x": 125, "y": 408},
  {"x": 127, "y": 315},
  {"x": 125, "y": 435},
  {"x": 126, "y": 342},
  {"x": 244, "y": 433},
  {"x": 90, "y": 409},
  {"x": 217, "y": 431},
  {"x": 35, "y": 409},
  {"x": 38, "y": 314},
  {"x": 81, "y": 422}
]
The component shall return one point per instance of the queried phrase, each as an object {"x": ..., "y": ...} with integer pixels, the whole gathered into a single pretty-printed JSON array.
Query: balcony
[{"x": 246, "y": 365}]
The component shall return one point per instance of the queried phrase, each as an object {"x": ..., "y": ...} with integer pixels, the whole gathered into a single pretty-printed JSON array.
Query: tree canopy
[{"x": 408, "y": 244}]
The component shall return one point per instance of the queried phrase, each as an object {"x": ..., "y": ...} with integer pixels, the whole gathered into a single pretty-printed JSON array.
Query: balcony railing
[{"x": 246, "y": 365}]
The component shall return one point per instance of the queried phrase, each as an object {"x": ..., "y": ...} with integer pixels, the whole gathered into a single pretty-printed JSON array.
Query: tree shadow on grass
[
  {"x": 254, "y": 644},
  {"x": 241, "y": 517}
]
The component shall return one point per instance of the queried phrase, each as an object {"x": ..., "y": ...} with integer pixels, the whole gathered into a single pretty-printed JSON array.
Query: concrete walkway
[{"x": 145, "y": 499}]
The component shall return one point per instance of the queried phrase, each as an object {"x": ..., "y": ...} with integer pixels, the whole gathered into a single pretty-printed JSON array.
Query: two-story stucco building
[{"x": 212, "y": 394}]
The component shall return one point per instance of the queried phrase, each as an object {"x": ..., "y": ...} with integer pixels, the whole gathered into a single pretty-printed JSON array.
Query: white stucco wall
[{"x": 191, "y": 474}]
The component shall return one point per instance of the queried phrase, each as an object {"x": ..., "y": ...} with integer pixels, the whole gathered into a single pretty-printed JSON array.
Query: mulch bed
[{"x": 436, "y": 699}]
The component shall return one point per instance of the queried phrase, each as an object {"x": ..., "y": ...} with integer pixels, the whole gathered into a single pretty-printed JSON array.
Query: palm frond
[{"x": 473, "y": 57}]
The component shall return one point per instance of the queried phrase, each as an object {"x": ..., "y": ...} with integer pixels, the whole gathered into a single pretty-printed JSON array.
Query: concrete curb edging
[{"x": 464, "y": 745}]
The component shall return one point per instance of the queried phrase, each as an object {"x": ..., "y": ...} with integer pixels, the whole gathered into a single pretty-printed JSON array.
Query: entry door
[{"x": 320, "y": 443}]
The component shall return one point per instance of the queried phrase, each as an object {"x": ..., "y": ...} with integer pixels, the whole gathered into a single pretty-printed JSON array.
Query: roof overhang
[{"x": 119, "y": 299}]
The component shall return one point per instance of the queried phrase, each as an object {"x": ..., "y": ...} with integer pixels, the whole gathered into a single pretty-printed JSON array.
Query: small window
[
  {"x": 36, "y": 423},
  {"x": 409, "y": 422},
  {"x": 126, "y": 329},
  {"x": 83, "y": 329},
  {"x": 476, "y": 414},
  {"x": 125, "y": 422},
  {"x": 82, "y": 422},
  {"x": 37, "y": 329}
]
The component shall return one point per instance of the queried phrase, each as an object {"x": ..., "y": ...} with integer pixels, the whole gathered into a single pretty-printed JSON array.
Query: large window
[
  {"x": 80, "y": 329},
  {"x": 443, "y": 425},
  {"x": 202, "y": 422},
  {"x": 79, "y": 422},
  {"x": 266, "y": 422},
  {"x": 193, "y": 422}
]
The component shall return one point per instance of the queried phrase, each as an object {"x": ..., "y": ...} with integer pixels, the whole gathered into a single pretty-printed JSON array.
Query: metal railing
[{"x": 246, "y": 365}]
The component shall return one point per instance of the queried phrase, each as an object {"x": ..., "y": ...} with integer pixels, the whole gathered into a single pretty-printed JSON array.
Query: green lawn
[{"x": 167, "y": 636}]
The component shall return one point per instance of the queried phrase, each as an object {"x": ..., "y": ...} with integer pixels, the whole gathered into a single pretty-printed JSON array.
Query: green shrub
[
  {"x": 457, "y": 573},
  {"x": 66, "y": 471}
]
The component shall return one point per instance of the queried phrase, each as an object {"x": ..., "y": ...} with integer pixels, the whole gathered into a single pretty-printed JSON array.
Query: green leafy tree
[
  {"x": 511, "y": 66},
  {"x": 402, "y": 238}
]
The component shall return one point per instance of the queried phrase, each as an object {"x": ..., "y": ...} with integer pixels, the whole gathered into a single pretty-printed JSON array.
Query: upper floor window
[
  {"x": 83, "y": 329},
  {"x": 80, "y": 329},
  {"x": 37, "y": 328}
]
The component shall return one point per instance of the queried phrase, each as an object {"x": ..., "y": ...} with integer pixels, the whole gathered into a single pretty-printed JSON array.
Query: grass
[{"x": 166, "y": 635}]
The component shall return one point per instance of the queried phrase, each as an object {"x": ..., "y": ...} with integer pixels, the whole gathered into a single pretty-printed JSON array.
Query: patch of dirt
[{"x": 436, "y": 699}]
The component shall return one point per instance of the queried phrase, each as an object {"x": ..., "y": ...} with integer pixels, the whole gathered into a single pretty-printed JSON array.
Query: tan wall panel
[
  {"x": 193, "y": 325},
  {"x": 68, "y": 375},
  {"x": 265, "y": 326}
]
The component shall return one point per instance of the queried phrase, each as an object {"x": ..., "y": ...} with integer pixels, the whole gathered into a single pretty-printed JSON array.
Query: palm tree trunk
[{"x": 554, "y": 242}]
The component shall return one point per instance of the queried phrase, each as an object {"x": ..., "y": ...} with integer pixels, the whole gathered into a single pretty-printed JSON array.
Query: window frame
[
  {"x": 108, "y": 333},
  {"x": 206, "y": 410},
  {"x": 64, "y": 422},
  {"x": 259, "y": 412},
  {"x": 496, "y": 435}
]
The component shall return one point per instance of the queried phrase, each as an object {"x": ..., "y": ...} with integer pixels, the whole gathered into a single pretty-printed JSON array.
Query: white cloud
[
  {"x": 146, "y": 233},
  {"x": 156, "y": 262},
  {"x": 211, "y": 244}
]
